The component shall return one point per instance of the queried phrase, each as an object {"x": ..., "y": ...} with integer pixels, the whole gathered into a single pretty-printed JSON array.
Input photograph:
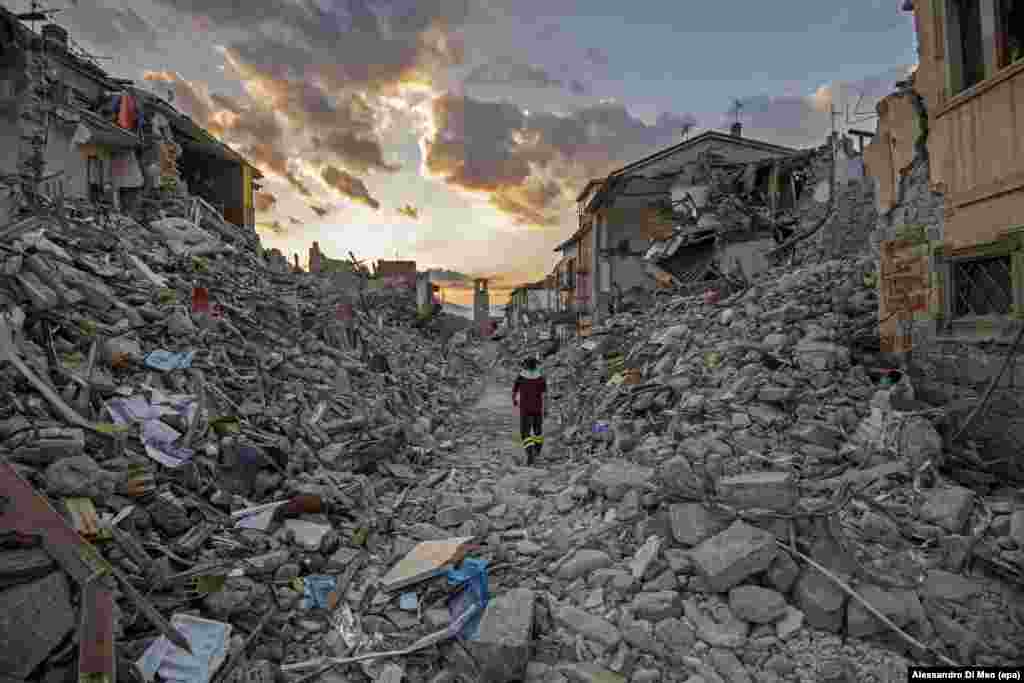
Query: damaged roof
[{"x": 710, "y": 135}]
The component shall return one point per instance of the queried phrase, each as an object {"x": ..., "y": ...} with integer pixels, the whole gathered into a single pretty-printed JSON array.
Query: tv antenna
[
  {"x": 36, "y": 13},
  {"x": 736, "y": 109}
]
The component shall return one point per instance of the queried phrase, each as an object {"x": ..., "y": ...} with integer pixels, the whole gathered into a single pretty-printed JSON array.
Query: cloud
[
  {"x": 508, "y": 72},
  {"x": 801, "y": 120},
  {"x": 548, "y": 32},
  {"x": 317, "y": 77},
  {"x": 105, "y": 26},
  {"x": 274, "y": 227},
  {"x": 532, "y": 165},
  {"x": 410, "y": 211},
  {"x": 265, "y": 201},
  {"x": 254, "y": 132},
  {"x": 348, "y": 186},
  {"x": 577, "y": 87},
  {"x": 596, "y": 56}
]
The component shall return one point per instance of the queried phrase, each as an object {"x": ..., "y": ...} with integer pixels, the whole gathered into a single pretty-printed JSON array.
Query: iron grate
[{"x": 983, "y": 287}]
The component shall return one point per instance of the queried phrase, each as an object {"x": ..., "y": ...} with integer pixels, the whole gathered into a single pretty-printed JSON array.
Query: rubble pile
[
  {"x": 753, "y": 476},
  {"x": 197, "y": 450}
]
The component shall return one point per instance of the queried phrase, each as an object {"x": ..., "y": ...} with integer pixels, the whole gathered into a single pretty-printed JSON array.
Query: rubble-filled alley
[
  {"x": 196, "y": 450},
  {"x": 216, "y": 467}
]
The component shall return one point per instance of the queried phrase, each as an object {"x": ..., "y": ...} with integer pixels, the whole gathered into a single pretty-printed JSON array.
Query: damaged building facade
[
  {"x": 948, "y": 161},
  {"x": 698, "y": 214},
  {"x": 81, "y": 134}
]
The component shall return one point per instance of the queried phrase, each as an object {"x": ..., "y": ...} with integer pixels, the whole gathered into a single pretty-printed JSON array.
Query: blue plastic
[{"x": 471, "y": 577}]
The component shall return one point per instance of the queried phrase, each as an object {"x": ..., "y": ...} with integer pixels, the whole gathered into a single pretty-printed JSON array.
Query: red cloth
[
  {"x": 126, "y": 114},
  {"x": 200, "y": 300},
  {"x": 531, "y": 394}
]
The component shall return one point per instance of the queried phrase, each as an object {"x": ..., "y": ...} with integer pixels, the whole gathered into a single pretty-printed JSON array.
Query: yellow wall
[{"x": 247, "y": 193}]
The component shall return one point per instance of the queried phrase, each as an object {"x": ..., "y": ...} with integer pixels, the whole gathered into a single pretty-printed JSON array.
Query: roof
[
  {"x": 199, "y": 136},
  {"x": 735, "y": 140},
  {"x": 586, "y": 188}
]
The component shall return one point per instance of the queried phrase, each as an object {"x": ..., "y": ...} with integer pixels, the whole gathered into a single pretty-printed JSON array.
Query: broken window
[
  {"x": 982, "y": 287},
  {"x": 1010, "y": 32},
  {"x": 967, "y": 50}
]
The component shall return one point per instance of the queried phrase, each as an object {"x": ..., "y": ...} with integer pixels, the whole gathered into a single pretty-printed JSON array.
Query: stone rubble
[{"x": 662, "y": 536}]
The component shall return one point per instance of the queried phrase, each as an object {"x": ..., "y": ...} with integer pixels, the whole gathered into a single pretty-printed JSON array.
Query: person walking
[{"x": 528, "y": 394}]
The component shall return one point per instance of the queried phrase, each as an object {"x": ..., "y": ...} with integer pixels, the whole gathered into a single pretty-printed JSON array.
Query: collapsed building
[{"x": 83, "y": 136}]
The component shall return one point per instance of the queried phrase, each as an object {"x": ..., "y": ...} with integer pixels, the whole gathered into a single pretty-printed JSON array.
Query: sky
[{"x": 458, "y": 132}]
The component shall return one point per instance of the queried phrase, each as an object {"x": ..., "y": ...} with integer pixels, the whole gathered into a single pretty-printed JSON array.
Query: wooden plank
[{"x": 96, "y": 660}]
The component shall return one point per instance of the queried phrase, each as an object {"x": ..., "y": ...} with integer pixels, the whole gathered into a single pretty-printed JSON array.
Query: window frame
[
  {"x": 993, "y": 46},
  {"x": 975, "y": 327}
]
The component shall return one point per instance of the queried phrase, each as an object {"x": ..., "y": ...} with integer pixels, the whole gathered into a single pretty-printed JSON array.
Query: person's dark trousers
[{"x": 531, "y": 428}]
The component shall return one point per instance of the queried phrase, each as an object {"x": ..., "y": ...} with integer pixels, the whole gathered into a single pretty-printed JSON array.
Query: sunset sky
[{"x": 458, "y": 132}]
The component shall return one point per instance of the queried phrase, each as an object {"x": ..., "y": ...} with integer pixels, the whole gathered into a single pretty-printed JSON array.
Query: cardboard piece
[{"x": 425, "y": 561}]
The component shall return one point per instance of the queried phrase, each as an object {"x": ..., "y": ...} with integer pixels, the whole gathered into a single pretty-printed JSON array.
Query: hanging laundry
[
  {"x": 125, "y": 170},
  {"x": 126, "y": 112}
]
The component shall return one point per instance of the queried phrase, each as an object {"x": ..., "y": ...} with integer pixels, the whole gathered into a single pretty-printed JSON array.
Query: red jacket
[{"x": 530, "y": 388}]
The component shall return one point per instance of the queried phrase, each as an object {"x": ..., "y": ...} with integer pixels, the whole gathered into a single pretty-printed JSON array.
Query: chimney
[
  {"x": 314, "y": 258},
  {"x": 736, "y": 129}
]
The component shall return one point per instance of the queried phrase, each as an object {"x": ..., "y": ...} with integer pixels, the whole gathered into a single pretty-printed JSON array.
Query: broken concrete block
[
  {"x": 647, "y": 553},
  {"x": 768, "y": 490},
  {"x": 774, "y": 394},
  {"x": 819, "y": 434},
  {"x": 791, "y": 622},
  {"x": 783, "y": 572},
  {"x": 820, "y": 600},
  {"x": 1017, "y": 527},
  {"x": 723, "y": 630},
  {"x": 656, "y": 606},
  {"x": 42, "y": 297},
  {"x": 590, "y": 626},
  {"x": 821, "y": 355},
  {"x": 588, "y": 672},
  {"x": 502, "y": 646},
  {"x": 454, "y": 516},
  {"x": 729, "y": 666},
  {"x": 692, "y": 523},
  {"x": 678, "y": 477},
  {"x": 726, "y": 559},
  {"x": 613, "y": 479},
  {"x": 948, "y": 507},
  {"x": 584, "y": 562},
  {"x": 756, "y": 604},
  {"x": 34, "y": 619},
  {"x": 943, "y": 585},
  {"x": 900, "y": 606}
]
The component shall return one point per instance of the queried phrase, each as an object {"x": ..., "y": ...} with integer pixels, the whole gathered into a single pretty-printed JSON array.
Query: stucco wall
[{"x": 975, "y": 140}]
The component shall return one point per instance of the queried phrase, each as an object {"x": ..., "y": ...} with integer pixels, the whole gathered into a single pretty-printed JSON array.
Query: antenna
[{"x": 736, "y": 109}]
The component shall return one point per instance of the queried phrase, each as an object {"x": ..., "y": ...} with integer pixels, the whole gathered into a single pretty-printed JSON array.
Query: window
[
  {"x": 982, "y": 37},
  {"x": 966, "y": 43},
  {"x": 982, "y": 287},
  {"x": 1010, "y": 32}
]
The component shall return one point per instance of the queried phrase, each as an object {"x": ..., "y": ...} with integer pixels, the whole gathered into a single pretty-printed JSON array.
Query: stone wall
[
  {"x": 949, "y": 369},
  {"x": 916, "y": 205}
]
